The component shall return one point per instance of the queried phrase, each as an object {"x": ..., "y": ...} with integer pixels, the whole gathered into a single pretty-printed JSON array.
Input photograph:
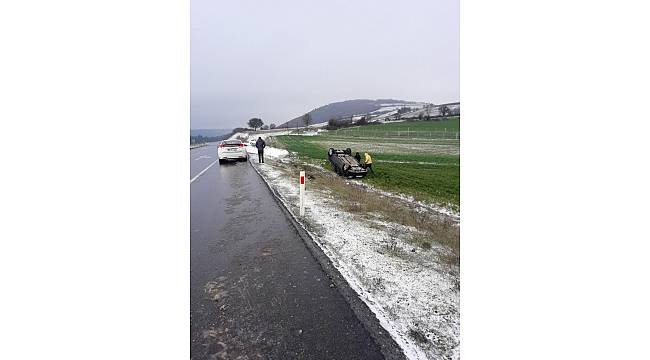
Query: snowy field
[
  {"x": 414, "y": 295},
  {"x": 404, "y": 147}
]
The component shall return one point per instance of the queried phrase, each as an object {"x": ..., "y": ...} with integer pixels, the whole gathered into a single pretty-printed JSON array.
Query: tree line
[{"x": 257, "y": 123}]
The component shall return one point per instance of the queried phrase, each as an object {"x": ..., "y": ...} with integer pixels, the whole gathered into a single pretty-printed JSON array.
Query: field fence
[{"x": 446, "y": 134}]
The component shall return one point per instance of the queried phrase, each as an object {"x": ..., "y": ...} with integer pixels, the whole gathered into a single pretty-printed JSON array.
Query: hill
[
  {"x": 350, "y": 108},
  {"x": 209, "y": 132}
]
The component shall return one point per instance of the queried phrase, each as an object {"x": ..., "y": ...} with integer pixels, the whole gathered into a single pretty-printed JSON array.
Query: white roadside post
[{"x": 302, "y": 193}]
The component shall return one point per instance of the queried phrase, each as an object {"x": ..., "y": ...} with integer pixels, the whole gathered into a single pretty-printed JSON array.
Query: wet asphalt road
[{"x": 256, "y": 290}]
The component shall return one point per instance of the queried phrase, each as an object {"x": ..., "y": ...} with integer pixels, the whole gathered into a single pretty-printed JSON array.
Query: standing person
[
  {"x": 260, "y": 145},
  {"x": 357, "y": 157},
  {"x": 368, "y": 162}
]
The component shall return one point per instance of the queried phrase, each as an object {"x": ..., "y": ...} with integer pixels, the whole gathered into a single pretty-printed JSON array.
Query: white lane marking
[
  {"x": 203, "y": 157},
  {"x": 202, "y": 171}
]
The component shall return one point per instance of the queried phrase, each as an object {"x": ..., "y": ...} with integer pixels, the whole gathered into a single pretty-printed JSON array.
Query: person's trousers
[
  {"x": 369, "y": 167},
  {"x": 260, "y": 156}
]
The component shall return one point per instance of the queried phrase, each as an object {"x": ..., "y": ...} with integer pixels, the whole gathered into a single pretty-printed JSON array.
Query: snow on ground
[
  {"x": 246, "y": 136},
  {"x": 269, "y": 152},
  {"x": 414, "y": 296},
  {"x": 384, "y": 109},
  {"x": 408, "y": 148},
  {"x": 309, "y": 133}
]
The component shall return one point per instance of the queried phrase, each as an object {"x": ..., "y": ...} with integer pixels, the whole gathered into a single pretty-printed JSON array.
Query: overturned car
[{"x": 345, "y": 164}]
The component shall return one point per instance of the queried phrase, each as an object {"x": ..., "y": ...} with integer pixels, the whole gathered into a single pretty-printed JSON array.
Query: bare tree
[
  {"x": 272, "y": 126},
  {"x": 306, "y": 119}
]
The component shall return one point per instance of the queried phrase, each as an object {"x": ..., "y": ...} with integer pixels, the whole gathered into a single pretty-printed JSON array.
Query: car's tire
[
  {"x": 220, "y": 161},
  {"x": 348, "y": 151},
  {"x": 330, "y": 152}
]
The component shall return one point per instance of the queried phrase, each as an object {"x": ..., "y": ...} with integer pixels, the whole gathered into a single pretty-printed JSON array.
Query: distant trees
[
  {"x": 444, "y": 110},
  {"x": 265, "y": 127},
  {"x": 363, "y": 120},
  {"x": 200, "y": 139},
  {"x": 272, "y": 126},
  {"x": 255, "y": 123},
  {"x": 403, "y": 110},
  {"x": 334, "y": 123},
  {"x": 306, "y": 119}
]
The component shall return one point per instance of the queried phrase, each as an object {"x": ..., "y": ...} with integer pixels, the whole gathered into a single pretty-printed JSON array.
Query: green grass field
[
  {"x": 425, "y": 169},
  {"x": 445, "y": 128}
]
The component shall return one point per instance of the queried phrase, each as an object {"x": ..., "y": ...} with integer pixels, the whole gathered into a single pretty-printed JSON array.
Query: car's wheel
[
  {"x": 348, "y": 151},
  {"x": 220, "y": 161},
  {"x": 330, "y": 152}
]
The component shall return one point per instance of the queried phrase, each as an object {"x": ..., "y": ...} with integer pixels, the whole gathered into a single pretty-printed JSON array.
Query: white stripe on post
[{"x": 302, "y": 193}]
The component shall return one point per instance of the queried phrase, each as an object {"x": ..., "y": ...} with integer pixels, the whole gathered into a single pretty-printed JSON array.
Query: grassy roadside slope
[{"x": 433, "y": 177}]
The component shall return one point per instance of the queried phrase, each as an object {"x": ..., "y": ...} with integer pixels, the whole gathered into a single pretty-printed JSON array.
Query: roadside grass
[
  {"x": 418, "y": 336},
  {"x": 300, "y": 145},
  {"x": 360, "y": 200},
  {"x": 421, "y": 241},
  {"x": 438, "y": 181}
]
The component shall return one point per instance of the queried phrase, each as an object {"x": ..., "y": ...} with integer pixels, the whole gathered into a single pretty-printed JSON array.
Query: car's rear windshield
[{"x": 232, "y": 142}]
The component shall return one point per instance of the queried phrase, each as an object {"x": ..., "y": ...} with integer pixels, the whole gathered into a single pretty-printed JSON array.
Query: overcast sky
[{"x": 279, "y": 59}]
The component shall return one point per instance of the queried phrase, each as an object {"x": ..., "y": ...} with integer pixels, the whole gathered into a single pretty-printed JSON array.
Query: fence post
[{"x": 302, "y": 193}]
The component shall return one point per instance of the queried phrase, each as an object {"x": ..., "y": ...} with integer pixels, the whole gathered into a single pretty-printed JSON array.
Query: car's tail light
[
  {"x": 241, "y": 145},
  {"x": 221, "y": 145}
]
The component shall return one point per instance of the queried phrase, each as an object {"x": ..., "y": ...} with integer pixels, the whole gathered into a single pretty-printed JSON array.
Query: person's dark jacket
[
  {"x": 357, "y": 157},
  {"x": 260, "y": 144}
]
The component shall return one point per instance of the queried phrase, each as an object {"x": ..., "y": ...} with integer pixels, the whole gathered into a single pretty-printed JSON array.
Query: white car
[{"x": 232, "y": 150}]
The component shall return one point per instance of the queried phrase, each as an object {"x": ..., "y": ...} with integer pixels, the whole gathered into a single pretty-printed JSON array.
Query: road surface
[{"x": 256, "y": 290}]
